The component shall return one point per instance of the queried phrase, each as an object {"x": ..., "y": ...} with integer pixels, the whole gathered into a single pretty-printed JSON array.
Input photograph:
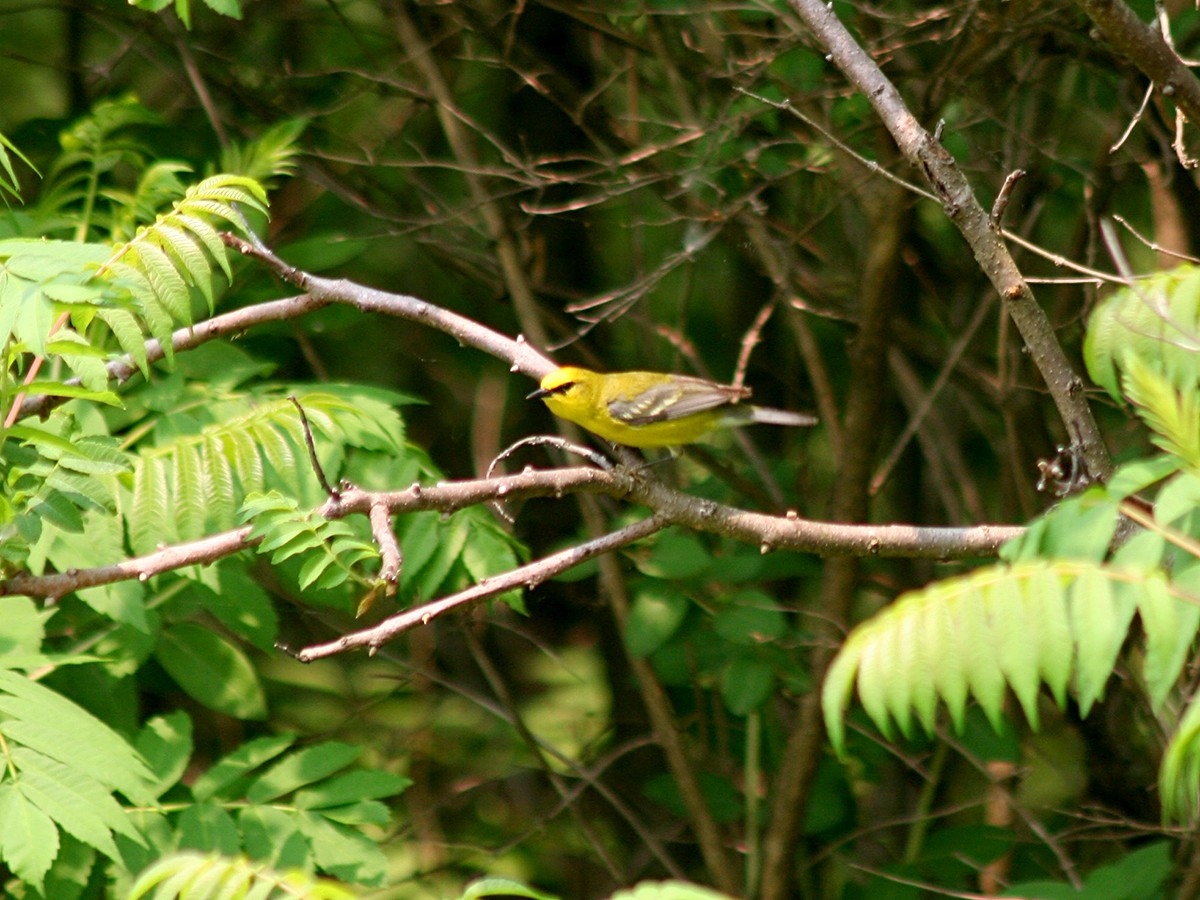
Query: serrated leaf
[
  {"x": 190, "y": 260},
  {"x": 1172, "y": 413},
  {"x": 1155, "y": 322},
  {"x": 666, "y": 890},
  {"x": 1170, "y": 625},
  {"x": 839, "y": 687},
  {"x": 147, "y": 518},
  {"x": 158, "y": 320},
  {"x": 914, "y": 657},
  {"x": 76, "y": 391},
  {"x": 187, "y": 491},
  {"x": 316, "y": 566},
  {"x": 28, "y": 840},
  {"x": 984, "y": 674},
  {"x": 1139, "y": 474},
  {"x": 873, "y": 682},
  {"x": 450, "y": 537},
  {"x": 121, "y": 601},
  {"x": 220, "y": 506},
  {"x": 77, "y": 803},
  {"x": 242, "y": 605},
  {"x": 168, "y": 285},
  {"x": 1048, "y": 615},
  {"x": 208, "y": 237},
  {"x": 949, "y": 667},
  {"x": 1100, "y": 617},
  {"x": 43, "y": 720},
  {"x": 57, "y": 509},
  {"x": 1016, "y": 654}
]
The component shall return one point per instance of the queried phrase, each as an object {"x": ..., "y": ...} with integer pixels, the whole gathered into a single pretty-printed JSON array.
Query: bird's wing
[{"x": 674, "y": 399}]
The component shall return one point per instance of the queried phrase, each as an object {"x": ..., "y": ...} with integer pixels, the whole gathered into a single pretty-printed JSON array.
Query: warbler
[{"x": 652, "y": 409}]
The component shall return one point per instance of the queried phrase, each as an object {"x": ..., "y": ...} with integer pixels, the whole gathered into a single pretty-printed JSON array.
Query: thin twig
[
  {"x": 524, "y": 576},
  {"x": 1153, "y": 245},
  {"x": 962, "y": 207},
  {"x": 1144, "y": 46},
  {"x": 1002, "y": 198},
  {"x": 750, "y": 340},
  {"x": 917, "y": 417},
  {"x": 330, "y": 490}
]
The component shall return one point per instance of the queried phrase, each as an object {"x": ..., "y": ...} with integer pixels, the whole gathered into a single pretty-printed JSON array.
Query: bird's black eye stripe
[{"x": 560, "y": 388}]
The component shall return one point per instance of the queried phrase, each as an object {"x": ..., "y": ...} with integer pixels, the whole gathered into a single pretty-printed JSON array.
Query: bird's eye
[{"x": 561, "y": 388}]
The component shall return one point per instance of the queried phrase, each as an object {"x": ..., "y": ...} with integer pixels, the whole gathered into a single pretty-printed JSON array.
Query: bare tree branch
[
  {"x": 523, "y": 357},
  {"x": 524, "y": 576},
  {"x": 961, "y": 206},
  {"x": 1147, "y": 49},
  {"x": 669, "y": 506}
]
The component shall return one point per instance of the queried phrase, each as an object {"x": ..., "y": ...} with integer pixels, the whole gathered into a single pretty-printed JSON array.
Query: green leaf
[
  {"x": 487, "y": 552},
  {"x": 1005, "y": 626},
  {"x": 207, "y": 826},
  {"x": 301, "y": 768},
  {"x": 1140, "y": 474},
  {"x": 503, "y": 887},
  {"x": 675, "y": 555},
  {"x": 1179, "y": 774},
  {"x": 43, "y": 720},
  {"x": 241, "y": 604},
  {"x": 68, "y": 877},
  {"x": 668, "y": 890},
  {"x": 193, "y": 876},
  {"x": 1171, "y": 411},
  {"x": 273, "y": 835},
  {"x": 1170, "y": 625},
  {"x": 750, "y": 618},
  {"x": 746, "y": 684},
  {"x": 24, "y": 627},
  {"x": 212, "y": 671},
  {"x": 165, "y": 742},
  {"x": 1016, "y": 654},
  {"x": 1178, "y": 499},
  {"x": 1152, "y": 322},
  {"x": 343, "y": 852},
  {"x": 654, "y": 616},
  {"x": 230, "y": 769},
  {"x": 368, "y": 812},
  {"x": 1049, "y": 623},
  {"x": 944, "y": 650},
  {"x": 164, "y": 279},
  {"x": 146, "y": 512},
  {"x": 72, "y": 799},
  {"x": 28, "y": 840},
  {"x": 1140, "y": 873},
  {"x": 1100, "y": 616}
]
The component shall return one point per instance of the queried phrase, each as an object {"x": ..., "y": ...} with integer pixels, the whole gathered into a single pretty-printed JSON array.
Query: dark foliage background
[{"x": 665, "y": 186}]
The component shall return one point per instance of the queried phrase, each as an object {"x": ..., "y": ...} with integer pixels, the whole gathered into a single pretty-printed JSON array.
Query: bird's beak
[{"x": 538, "y": 394}]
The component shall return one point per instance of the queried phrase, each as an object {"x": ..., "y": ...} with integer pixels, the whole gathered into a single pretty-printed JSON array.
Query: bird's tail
[{"x": 768, "y": 416}]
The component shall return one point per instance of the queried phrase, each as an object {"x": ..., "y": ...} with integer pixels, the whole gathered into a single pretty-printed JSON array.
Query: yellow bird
[{"x": 652, "y": 409}]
